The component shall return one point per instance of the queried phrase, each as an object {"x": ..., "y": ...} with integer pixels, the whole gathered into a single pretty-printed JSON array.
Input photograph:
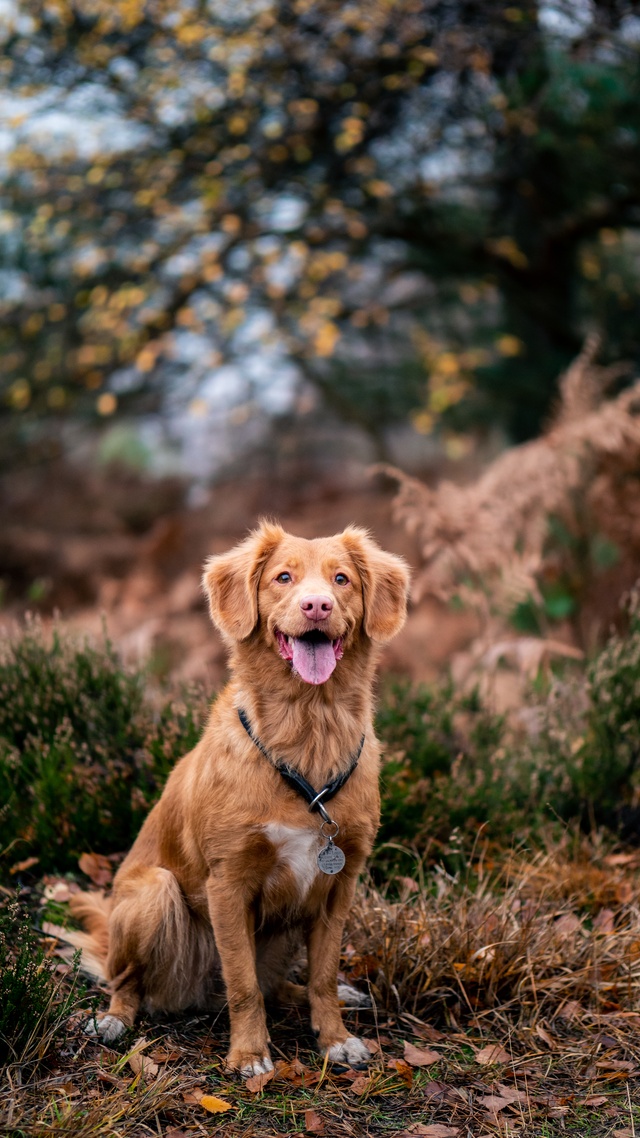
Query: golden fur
[{"x": 221, "y": 885}]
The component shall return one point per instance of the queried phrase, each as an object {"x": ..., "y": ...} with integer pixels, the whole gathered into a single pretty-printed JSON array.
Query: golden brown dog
[{"x": 223, "y": 882}]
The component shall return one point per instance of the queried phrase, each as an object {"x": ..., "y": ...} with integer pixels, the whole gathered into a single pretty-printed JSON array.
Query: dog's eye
[
  {"x": 283, "y": 578},
  {"x": 341, "y": 579}
]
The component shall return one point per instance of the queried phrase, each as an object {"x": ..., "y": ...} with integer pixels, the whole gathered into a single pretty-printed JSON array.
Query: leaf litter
[{"x": 549, "y": 1040}]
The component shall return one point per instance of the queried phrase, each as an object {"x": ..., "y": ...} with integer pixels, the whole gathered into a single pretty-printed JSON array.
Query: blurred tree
[{"x": 205, "y": 200}]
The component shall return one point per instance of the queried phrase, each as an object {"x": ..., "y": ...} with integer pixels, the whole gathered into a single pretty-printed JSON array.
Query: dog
[{"x": 238, "y": 865}]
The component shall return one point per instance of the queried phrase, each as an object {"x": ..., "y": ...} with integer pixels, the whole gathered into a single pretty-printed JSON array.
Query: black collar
[{"x": 297, "y": 781}]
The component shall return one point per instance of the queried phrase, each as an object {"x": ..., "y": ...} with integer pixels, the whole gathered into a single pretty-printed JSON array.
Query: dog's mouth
[{"x": 313, "y": 655}]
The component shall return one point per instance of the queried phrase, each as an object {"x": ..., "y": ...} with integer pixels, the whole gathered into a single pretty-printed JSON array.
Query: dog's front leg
[
  {"x": 233, "y": 929},
  {"x": 323, "y": 945}
]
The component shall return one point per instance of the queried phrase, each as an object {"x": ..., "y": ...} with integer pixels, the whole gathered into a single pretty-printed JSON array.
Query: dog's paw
[
  {"x": 352, "y": 1052},
  {"x": 248, "y": 1063},
  {"x": 351, "y": 998},
  {"x": 108, "y": 1028}
]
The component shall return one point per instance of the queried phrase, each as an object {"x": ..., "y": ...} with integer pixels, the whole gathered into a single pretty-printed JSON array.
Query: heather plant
[
  {"x": 445, "y": 768},
  {"x": 34, "y": 1002},
  {"x": 83, "y": 752}
]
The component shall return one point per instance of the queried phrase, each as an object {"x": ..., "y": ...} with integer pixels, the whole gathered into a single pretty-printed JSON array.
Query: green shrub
[
  {"x": 35, "y": 1002},
  {"x": 444, "y": 765},
  {"x": 83, "y": 754}
]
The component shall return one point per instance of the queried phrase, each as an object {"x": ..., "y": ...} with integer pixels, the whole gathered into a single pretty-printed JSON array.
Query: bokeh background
[{"x": 251, "y": 248}]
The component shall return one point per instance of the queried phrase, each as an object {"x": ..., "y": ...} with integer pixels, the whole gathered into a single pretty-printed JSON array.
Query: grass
[
  {"x": 500, "y": 911},
  {"x": 34, "y": 1002}
]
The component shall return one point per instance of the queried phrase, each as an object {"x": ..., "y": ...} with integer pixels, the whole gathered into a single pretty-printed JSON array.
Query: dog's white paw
[
  {"x": 256, "y": 1067},
  {"x": 352, "y": 998},
  {"x": 108, "y": 1028},
  {"x": 353, "y": 1052}
]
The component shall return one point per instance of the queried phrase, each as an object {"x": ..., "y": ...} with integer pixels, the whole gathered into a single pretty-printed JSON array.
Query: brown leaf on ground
[
  {"x": 425, "y": 1030},
  {"x": 360, "y": 1085},
  {"x": 143, "y": 1065},
  {"x": 20, "y": 866},
  {"x": 403, "y": 1069},
  {"x": 195, "y": 1095},
  {"x": 434, "y": 1089},
  {"x": 604, "y": 922},
  {"x": 258, "y": 1082},
  {"x": 546, "y": 1037},
  {"x": 53, "y": 930},
  {"x": 626, "y": 1132},
  {"x": 161, "y": 1055},
  {"x": 571, "y": 1011},
  {"x": 214, "y": 1104},
  {"x": 313, "y": 1123},
  {"x": 296, "y": 1073},
  {"x": 372, "y": 1046},
  {"x": 496, "y": 1103},
  {"x": 173, "y": 1133},
  {"x": 97, "y": 867},
  {"x": 417, "y": 1057},
  {"x": 494, "y": 1053},
  {"x": 596, "y": 1100}
]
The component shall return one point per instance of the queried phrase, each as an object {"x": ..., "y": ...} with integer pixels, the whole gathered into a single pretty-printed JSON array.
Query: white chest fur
[{"x": 297, "y": 849}]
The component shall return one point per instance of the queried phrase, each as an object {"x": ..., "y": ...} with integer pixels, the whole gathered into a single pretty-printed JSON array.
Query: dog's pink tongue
[{"x": 313, "y": 662}]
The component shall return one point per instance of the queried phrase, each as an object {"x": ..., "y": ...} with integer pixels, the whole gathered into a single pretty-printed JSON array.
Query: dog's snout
[{"x": 316, "y": 607}]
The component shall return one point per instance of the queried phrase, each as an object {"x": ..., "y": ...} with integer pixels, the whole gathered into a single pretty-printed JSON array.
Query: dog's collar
[{"x": 314, "y": 798}]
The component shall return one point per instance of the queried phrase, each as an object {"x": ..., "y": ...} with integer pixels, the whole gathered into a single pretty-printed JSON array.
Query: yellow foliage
[{"x": 326, "y": 338}]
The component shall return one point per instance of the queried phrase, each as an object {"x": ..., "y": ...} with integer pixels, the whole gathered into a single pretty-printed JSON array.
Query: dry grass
[
  {"x": 536, "y": 955},
  {"x": 489, "y": 542}
]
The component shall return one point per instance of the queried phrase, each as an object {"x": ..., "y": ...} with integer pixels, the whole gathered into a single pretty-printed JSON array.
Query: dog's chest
[{"x": 297, "y": 849}]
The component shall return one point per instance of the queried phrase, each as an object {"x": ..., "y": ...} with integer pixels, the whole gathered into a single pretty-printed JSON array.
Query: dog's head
[{"x": 309, "y": 601}]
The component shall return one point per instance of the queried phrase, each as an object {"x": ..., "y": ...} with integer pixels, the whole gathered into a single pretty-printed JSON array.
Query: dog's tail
[{"x": 92, "y": 909}]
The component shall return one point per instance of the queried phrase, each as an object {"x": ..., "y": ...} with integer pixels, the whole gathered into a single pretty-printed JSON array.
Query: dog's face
[{"x": 308, "y": 601}]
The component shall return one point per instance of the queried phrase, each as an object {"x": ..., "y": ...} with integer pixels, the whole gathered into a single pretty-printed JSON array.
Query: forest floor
[{"x": 540, "y": 1060}]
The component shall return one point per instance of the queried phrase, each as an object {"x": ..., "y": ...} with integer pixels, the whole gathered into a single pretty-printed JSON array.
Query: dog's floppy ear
[
  {"x": 385, "y": 582},
  {"x": 231, "y": 581}
]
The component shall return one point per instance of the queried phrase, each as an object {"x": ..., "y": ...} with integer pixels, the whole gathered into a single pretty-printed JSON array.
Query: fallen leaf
[
  {"x": 626, "y": 1132},
  {"x": 161, "y": 1055},
  {"x": 173, "y": 1133},
  {"x": 372, "y": 1045},
  {"x": 143, "y": 1065},
  {"x": 403, "y": 1069},
  {"x": 54, "y": 930},
  {"x": 296, "y": 1073},
  {"x": 20, "y": 866},
  {"x": 494, "y": 1103},
  {"x": 258, "y": 1082},
  {"x": 195, "y": 1095},
  {"x": 97, "y": 867},
  {"x": 596, "y": 1100},
  {"x": 494, "y": 1053},
  {"x": 417, "y": 1057},
  {"x": 360, "y": 1085},
  {"x": 313, "y": 1123},
  {"x": 545, "y": 1036},
  {"x": 215, "y": 1105},
  {"x": 571, "y": 1011},
  {"x": 434, "y": 1089},
  {"x": 425, "y": 1030},
  {"x": 603, "y": 923}
]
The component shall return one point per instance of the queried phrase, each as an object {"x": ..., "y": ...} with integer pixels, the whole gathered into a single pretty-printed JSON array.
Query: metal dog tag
[{"x": 331, "y": 858}]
